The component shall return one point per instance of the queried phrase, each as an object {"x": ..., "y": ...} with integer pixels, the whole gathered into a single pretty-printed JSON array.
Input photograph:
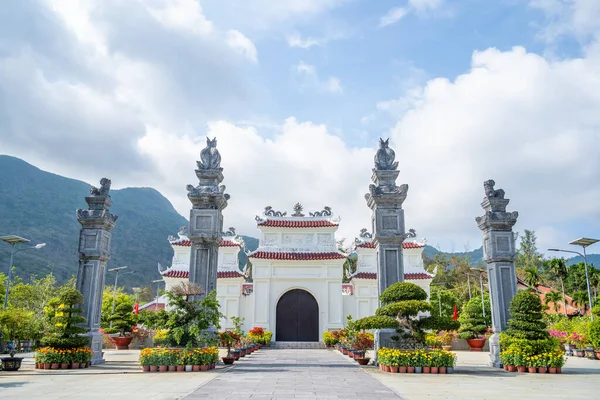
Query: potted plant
[
  {"x": 473, "y": 325},
  {"x": 555, "y": 361},
  {"x": 417, "y": 360},
  {"x": 122, "y": 322},
  {"x": 446, "y": 338},
  {"x": 363, "y": 341},
  {"x": 228, "y": 339}
]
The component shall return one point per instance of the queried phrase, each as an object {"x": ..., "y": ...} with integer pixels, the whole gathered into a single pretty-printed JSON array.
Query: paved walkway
[{"x": 293, "y": 374}]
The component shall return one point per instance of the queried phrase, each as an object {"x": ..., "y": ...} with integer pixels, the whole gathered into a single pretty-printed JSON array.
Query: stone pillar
[
  {"x": 499, "y": 254},
  {"x": 94, "y": 252},
  {"x": 206, "y": 218},
  {"x": 385, "y": 199}
]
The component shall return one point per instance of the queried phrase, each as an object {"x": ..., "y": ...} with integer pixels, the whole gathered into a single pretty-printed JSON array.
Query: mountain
[{"x": 40, "y": 206}]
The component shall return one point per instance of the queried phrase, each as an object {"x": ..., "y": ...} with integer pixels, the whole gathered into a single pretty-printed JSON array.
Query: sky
[{"x": 298, "y": 94}]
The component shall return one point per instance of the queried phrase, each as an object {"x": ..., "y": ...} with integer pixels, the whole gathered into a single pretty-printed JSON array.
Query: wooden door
[{"x": 297, "y": 318}]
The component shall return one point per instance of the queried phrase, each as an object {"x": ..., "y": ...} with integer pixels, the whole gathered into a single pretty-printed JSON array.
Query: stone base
[
  {"x": 96, "y": 346},
  {"x": 494, "y": 343}
]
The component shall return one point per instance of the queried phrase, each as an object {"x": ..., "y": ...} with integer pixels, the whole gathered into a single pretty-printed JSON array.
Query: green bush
[
  {"x": 472, "y": 322},
  {"x": 402, "y": 291},
  {"x": 437, "y": 324},
  {"x": 123, "y": 319},
  {"x": 65, "y": 321},
  {"x": 526, "y": 320},
  {"x": 375, "y": 322},
  {"x": 406, "y": 308},
  {"x": 596, "y": 310},
  {"x": 594, "y": 334},
  {"x": 527, "y": 346}
]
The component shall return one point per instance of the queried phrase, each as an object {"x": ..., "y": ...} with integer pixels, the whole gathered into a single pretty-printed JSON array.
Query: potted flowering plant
[
  {"x": 579, "y": 342},
  {"x": 363, "y": 341},
  {"x": 446, "y": 338},
  {"x": 228, "y": 339}
]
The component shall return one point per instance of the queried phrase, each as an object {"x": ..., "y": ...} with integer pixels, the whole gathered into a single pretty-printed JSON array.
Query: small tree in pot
[
  {"x": 473, "y": 325},
  {"x": 228, "y": 339},
  {"x": 122, "y": 319}
]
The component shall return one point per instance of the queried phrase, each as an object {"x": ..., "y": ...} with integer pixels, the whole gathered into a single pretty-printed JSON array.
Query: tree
[
  {"x": 532, "y": 276},
  {"x": 349, "y": 267},
  {"x": 121, "y": 299},
  {"x": 580, "y": 299},
  {"x": 472, "y": 322},
  {"x": 65, "y": 328},
  {"x": 558, "y": 269},
  {"x": 553, "y": 297},
  {"x": 527, "y": 319},
  {"x": 448, "y": 301},
  {"x": 122, "y": 319},
  {"x": 528, "y": 256}
]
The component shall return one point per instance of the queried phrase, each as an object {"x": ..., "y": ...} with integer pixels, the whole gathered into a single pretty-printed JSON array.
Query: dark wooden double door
[{"x": 297, "y": 317}]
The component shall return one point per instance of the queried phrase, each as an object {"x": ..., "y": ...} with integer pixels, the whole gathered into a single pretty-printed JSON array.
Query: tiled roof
[
  {"x": 405, "y": 245},
  {"x": 411, "y": 276},
  {"x": 229, "y": 274},
  {"x": 188, "y": 243},
  {"x": 295, "y": 256},
  {"x": 297, "y": 224},
  {"x": 186, "y": 274}
]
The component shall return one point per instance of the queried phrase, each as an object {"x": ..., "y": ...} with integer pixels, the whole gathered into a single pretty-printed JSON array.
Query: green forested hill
[{"x": 40, "y": 206}]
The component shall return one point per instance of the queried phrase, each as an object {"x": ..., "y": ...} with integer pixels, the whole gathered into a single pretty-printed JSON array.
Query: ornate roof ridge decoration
[
  {"x": 269, "y": 249},
  {"x": 298, "y": 210},
  {"x": 270, "y": 214},
  {"x": 410, "y": 276},
  {"x": 297, "y": 255}
]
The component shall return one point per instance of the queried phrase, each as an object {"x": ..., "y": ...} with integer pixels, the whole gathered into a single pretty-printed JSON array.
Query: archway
[{"x": 297, "y": 318}]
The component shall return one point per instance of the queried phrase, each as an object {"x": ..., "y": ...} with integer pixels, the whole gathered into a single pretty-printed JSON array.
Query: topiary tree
[
  {"x": 402, "y": 302},
  {"x": 65, "y": 321},
  {"x": 472, "y": 322},
  {"x": 527, "y": 318},
  {"x": 123, "y": 319}
]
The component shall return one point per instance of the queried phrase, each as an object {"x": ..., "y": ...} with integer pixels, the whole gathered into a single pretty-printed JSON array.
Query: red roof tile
[
  {"x": 229, "y": 274},
  {"x": 296, "y": 256},
  {"x": 411, "y": 276},
  {"x": 367, "y": 245},
  {"x": 182, "y": 243},
  {"x": 297, "y": 224},
  {"x": 176, "y": 274},
  {"x": 188, "y": 243}
]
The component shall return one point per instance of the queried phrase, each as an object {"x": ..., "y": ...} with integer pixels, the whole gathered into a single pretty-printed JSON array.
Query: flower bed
[
  {"x": 517, "y": 360},
  {"x": 53, "y": 358},
  {"x": 162, "y": 359},
  {"x": 425, "y": 361}
]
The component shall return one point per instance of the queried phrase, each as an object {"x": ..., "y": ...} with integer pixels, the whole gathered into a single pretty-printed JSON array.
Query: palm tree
[
  {"x": 558, "y": 268},
  {"x": 532, "y": 276},
  {"x": 580, "y": 298},
  {"x": 553, "y": 297}
]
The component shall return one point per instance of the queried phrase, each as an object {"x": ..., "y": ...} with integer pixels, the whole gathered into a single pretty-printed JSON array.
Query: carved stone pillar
[
  {"x": 385, "y": 198},
  {"x": 208, "y": 200},
  {"x": 499, "y": 254},
  {"x": 94, "y": 252}
]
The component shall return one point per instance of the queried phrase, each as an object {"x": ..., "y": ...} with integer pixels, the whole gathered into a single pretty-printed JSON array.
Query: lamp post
[
  {"x": 14, "y": 241},
  {"x": 158, "y": 281},
  {"x": 583, "y": 242},
  {"x": 115, "y": 287}
]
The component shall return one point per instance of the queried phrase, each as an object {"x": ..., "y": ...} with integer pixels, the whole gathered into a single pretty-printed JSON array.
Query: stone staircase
[{"x": 298, "y": 345}]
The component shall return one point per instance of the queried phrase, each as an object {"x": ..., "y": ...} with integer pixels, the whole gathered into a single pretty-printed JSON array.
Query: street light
[
  {"x": 481, "y": 271},
  {"x": 14, "y": 241},
  {"x": 583, "y": 242},
  {"x": 158, "y": 281},
  {"x": 115, "y": 288}
]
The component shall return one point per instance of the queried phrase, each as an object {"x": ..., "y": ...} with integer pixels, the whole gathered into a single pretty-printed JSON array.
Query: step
[{"x": 298, "y": 345}]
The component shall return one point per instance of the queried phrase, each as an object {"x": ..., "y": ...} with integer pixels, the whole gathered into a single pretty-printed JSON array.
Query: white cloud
[
  {"x": 240, "y": 43},
  {"x": 392, "y": 16},
  {"x": 310, "y": 78},
  {"x": 186, "y": 15},
  {"x": 425, "y": 5},
  {"x": 296, "y": 40},
  {"x": 574, "y": 17}
]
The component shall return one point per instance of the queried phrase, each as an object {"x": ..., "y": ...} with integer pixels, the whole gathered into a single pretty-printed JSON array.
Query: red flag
[
  {"x": 136, "y": 308},
  {"x": 455, "y": 313}
]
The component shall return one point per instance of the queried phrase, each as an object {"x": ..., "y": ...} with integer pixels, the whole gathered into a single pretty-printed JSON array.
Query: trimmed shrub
[
  {"x": 437, "y": 324},
  {"x": 472, "y": 322},
  {"x": 402, "y": 291},
  {"x": 527, "y": 319},
  {"x": 65, "y": 319},
  {"x": 375, "y": 322}
]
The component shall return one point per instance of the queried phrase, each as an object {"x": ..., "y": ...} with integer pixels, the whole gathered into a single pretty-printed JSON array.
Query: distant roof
[
  {"x": 305, "y": 256},
  {"x": 295, "y": 223},
  {"x": 405, "y": 245},
  {"x": 410, "y": 276}
]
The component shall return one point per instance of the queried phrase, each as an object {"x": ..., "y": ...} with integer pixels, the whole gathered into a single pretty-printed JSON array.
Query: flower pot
[
  {"x": 54, "y": 366},
  {"x": 188, "y": 368},
  {"x": 162, "y": 368},
  {"x": 363, "y": 360},
  {"x": 476, "y": 344},
  {"x": 204, "y": 368},
  {"x": 580, "y": 352},
  {"x": 447, "y": 347},
  {"x": 442, "y": 370},
  {"x": 552, "y": 370},
  {"x": 532, "y": 370},
  {"x": 213, "y": 365},
  {"x": 402, "y": 370},
  {"x": 434, "y": 370},
  {"x": 228, "y": 360},
  {"x": 505, "y": 367},
  {"x": 569, "y": 349},
  {"x": 410, "y": 370},
  {"x": 449, "y": 370},
  {"x": 196, "y": 368},
  {"x": 122, "y": 342},
  {"x": 153, "y": 368},
  {"x": 345, "y": 351},
  {"x": 11, "y": 363},
  {"x": 426, "y": 370},
  {"x": 46, "y": 365},
  {"x": 418, "y": 370},
  {"x": 387, "y": 368},
  {"x": 74, "y": 365},
  {"x": 381, "y": 367},
  {"x": 589, "y": 353},
  {"x": 145, "y": 368},
  {"x": 521, "y": 368},
  {"x": 511, "y": 368},
  {"x": 64, "y": 365},
  {"x": 172, "y": 368},
  {"x": 541, "y": 370},
  {"x": 243, "y": 354},
  {"x": 559, "y": 370},
  {"x": 180, "y": 368},
  {"x": 393, "y": 369}
]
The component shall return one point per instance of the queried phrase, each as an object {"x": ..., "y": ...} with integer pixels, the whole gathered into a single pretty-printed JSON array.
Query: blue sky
[{"x": 298, "y": 93}]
